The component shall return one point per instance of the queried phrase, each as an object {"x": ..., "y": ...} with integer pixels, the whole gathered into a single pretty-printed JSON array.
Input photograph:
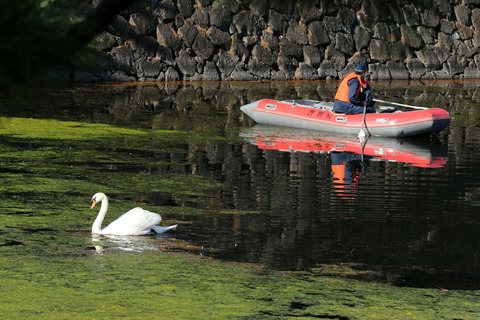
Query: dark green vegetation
[
  {"x": 53, "y": 268},
  {"x": 56, "y": 162},
  {"x": 166, "y": 285}
]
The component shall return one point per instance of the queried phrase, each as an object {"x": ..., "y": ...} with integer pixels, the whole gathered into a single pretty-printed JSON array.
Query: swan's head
[{"x": 97, "y": 197}]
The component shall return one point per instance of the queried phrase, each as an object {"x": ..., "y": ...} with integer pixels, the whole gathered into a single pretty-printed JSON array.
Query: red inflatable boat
[{"x": 317, "y": 115}]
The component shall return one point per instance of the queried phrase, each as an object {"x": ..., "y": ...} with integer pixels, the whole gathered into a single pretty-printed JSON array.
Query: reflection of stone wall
[{"x": 224, "y": 40}]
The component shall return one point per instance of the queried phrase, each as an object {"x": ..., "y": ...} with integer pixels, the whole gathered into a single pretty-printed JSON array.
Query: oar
[
  {"x": 400, "y": 104},
  {"x": 364, "y": 131},
  {"x": 363, "y": 143}
]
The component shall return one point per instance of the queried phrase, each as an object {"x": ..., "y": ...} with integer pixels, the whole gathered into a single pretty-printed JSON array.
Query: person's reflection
[{"x": 347, "y": 169}]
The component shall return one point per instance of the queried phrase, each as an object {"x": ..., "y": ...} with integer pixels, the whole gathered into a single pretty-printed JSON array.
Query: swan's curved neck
[{"x": 97, "y": 225}]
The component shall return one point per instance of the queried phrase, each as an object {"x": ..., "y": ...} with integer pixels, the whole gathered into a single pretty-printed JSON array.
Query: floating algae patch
[
  {"x": 50, "y": 169},
  {"x": 54, "y": 129},
  {"x": 172, "y": 285},
  {"x": 70, "y": 130}
]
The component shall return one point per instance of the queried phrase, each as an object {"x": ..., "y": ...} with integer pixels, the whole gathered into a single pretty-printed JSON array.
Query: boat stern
[{"x": 441, "y": 119}]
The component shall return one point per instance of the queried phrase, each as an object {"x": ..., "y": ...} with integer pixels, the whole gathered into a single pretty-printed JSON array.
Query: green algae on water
[{"x": 172, "y": 285}]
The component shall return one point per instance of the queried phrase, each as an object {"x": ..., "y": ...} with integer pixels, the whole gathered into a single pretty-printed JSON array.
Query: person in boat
[{"x": 354, "y": 93}]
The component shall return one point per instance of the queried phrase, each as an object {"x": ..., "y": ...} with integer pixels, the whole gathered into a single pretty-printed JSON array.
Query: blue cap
[{"x": 360, "y": 68}]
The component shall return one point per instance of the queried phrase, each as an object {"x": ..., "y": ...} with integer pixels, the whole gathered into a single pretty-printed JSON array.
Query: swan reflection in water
[{"x": 114, "y": 243}]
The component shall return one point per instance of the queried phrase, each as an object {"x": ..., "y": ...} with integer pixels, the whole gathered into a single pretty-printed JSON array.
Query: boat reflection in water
[{"x": 349, "y": 155}]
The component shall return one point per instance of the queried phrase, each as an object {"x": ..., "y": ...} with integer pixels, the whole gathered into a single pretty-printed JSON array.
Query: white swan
[{"x": 135, "y": 222}]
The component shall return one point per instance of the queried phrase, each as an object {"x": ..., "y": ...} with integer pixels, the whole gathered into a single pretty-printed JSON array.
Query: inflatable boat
[{"x": 318, "y": 115}]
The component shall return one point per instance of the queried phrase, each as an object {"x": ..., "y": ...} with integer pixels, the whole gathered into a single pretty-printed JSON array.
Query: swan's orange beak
[{"x": 93, "y": 203}]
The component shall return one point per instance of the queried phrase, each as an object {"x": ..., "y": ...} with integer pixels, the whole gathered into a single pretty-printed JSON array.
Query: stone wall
[{"x": 170, "y": 40}]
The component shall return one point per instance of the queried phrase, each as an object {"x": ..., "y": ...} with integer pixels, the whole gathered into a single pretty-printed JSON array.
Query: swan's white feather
[{"x": 135, "y": 222}]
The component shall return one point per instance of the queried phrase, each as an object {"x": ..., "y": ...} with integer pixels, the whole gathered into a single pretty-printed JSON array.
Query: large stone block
[
  {"x": 317, "y": 34},
  {"x": 211, "y": 72},
  {"x": 221, "y": 18},
  {"x": 167, "y": 11},
  {"x": 186, "y": 64},
  {"x": 165, "y": 55},
  {"x": 145, "y": 46},
  {"x": 463, "y": 32},
  {"x": 471, "y": 73},
  {"x": 447, "y": 27},
  {"x": 219, "y": 38},
  {"x": 239, "y": 73},
  {"x": 379, "y": 71},
  {"x": 411, "y": 15},
  {"x": 347, "y": 18},
  {"x": 277, "y": 22},
  {"x": 203, "y": 47},
  {"x": 427, "y": 34},
  {"x": 185, "y": 7},
  {"x": 306, "y": 72},
  {"x": 287, "y": 65},
  {"x": 312, "y": 56},
  {"x": 172, "y": 75},
  {"x": 122, "y": 58},
  {"x": 270, "y": 40},
  {"x": 379, "y": 50},
  {"x": 442, "y": 53},
  {"x": 456, "y": 65},
  {"x": 245, "y": 23},
  {"x": 467, "y": 49},
  {"x": 445, "y": 40},
  {"x": 430, "y": 18},
  {"x": 327, "y": 70},
  {"x": 381, "y": 31},
  {"x": 239, "y": 48},
  {"x": 411, "y": 38},
  {"x": 144, "y": 22},
  {"x": 344, "y": 43},
  {"x": 297, "y": 33},
  {"x": 476, "y": 18},
  {"x": 201, "y": 16},
  {"x": 150, "y": 69},
  {"x": 291, "y": 49},
  {"x": 259, "y": 70},
  {"x": 260, "y": 53},
  {"x": 462, "y": 13},
  {"x": 429, "y": 59},
  {"x": 166, "y": 36},
  {"x": 415, "y": 68},
  {"x": 226, "y": 63},
  {"x": 121, "y": 28},
  {"x": 361, "y": 38},
  {"x": 444, "y": 7},
  {"x": 336, "y": 57},
  {"x": 398, "y": 51},
  {"x": 397, "y": 70},
  {"x": 187, "y": 33}
]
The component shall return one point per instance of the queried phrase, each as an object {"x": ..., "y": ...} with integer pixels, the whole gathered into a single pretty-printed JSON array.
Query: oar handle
[{"x": 400, "y": 104}]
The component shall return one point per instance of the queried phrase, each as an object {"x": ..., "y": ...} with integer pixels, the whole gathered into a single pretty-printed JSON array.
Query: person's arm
[{"x": 352, "y": 91}]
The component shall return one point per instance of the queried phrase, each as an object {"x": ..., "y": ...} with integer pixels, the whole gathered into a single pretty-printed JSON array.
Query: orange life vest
[
  {"x": 342, "y": 92},
  {"x": 344, "y": 185}
]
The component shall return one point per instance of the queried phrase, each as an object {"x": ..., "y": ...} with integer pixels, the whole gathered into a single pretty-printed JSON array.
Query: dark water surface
[{"x": 290, "y": 199}]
